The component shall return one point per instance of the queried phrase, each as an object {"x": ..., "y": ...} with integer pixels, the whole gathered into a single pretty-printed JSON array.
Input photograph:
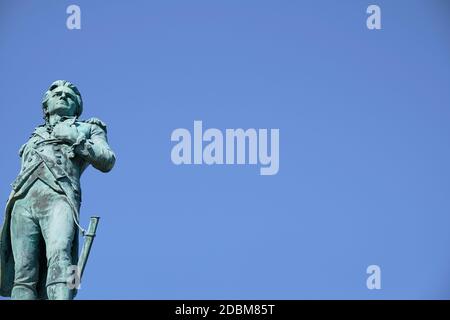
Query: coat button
[
  {"x": 30, "y": 159},
  {"x": 58, "y": 161}
]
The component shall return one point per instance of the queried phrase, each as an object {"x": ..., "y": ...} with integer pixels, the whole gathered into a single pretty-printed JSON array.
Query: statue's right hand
[{"x": 66, "y": 131}]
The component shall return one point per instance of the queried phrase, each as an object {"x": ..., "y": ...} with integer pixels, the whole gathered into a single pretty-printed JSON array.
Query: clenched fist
[{"x": 67, "y": 131}]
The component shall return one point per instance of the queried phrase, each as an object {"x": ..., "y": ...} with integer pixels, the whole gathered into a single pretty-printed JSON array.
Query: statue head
[{"x": 63, "y": 99}]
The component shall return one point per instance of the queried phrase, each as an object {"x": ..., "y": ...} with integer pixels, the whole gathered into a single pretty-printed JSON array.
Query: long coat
[{"x": 66, "y": 164}]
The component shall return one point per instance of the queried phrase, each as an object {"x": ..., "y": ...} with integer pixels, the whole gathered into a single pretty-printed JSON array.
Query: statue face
[{"x": 63, "y": 102}]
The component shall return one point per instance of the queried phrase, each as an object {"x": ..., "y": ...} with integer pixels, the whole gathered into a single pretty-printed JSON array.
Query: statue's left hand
[{"x": 66, "y": 131}]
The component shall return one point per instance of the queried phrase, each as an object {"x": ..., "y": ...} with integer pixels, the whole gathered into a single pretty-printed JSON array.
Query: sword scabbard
[{"x": 89, "y": 239}]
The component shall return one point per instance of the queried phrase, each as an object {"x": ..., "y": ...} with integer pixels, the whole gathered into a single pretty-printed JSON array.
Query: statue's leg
[
  {"x": 58, "y": 230},
  {"x": 25, "y": 237}
]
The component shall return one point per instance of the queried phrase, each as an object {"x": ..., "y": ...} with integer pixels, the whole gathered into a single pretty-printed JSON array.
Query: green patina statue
[{"x": 39, "y": 237}]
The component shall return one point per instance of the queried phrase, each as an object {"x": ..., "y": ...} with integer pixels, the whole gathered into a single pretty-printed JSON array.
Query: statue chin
[{"x": 62, "y": 110}]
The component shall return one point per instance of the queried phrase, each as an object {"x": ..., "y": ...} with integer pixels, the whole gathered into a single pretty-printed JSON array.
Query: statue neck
[{"x": 55, "y": 118}]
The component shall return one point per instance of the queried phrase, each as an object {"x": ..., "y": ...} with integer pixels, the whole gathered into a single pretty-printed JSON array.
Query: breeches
[{"x": 42, "y": 215}]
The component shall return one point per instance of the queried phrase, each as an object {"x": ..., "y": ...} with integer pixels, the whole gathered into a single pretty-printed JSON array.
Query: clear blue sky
[{"x": 364, "y": 119}]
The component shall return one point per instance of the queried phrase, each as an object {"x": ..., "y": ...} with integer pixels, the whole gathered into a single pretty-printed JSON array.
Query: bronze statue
[{"x": 39, "y": 237}]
